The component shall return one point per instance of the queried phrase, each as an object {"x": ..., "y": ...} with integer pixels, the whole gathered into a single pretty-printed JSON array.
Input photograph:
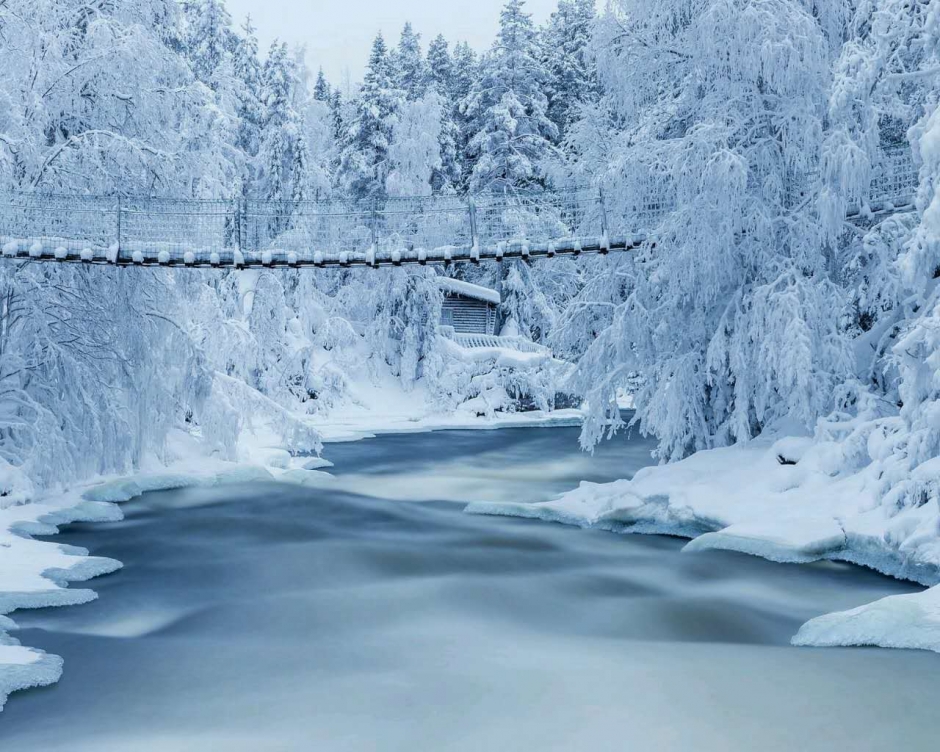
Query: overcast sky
[{"x": 339, "y": 33}]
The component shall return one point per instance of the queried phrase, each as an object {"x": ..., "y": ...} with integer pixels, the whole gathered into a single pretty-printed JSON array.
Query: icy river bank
[{"x": 371, "y": 613}]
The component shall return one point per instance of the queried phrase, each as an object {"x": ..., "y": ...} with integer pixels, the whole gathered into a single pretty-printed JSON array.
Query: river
[{"x": 372, "y": 614}]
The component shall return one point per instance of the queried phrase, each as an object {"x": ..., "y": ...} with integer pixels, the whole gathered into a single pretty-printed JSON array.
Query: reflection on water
[{"x": 268, "y": 617}]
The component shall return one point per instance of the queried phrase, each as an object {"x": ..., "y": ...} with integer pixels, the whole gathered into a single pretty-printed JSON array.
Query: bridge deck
[{"x": 47, "y": 249}]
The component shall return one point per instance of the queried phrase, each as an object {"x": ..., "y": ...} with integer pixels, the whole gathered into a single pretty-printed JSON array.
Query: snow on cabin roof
[{"x": 468, "y": 290}]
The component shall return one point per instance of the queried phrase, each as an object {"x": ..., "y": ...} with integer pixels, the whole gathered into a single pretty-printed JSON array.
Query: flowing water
[{"x": 373, "y": 614}]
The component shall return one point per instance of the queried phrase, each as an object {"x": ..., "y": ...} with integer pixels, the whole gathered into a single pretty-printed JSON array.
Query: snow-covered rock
[{"x": 898, "y": 621}]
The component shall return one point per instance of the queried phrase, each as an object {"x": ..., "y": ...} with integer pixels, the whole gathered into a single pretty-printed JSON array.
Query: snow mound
[
  {"x": 125, "y": 489},
  {"x": 316, "y": 463},
  {"x": 25, "y": 668},
  {"x": 547, "y": 512},
  {"x": 468, "y": 290},
  {"x": 898, "y": 621},
  {"x": 608, "y": 506},
  {"x": 243, "y": 474},
  {"x": 311, "y": 478},
  {"x": 787, "y": 541}
]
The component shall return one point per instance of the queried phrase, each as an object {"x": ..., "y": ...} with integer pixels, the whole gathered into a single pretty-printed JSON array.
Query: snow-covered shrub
[
  {"x": 404, "y": 312},
  {"x": 487, "y": 380}
]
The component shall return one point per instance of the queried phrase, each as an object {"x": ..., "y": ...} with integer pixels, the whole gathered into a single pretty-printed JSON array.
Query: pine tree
[
  {"x": 321, "y": 89},
  {"x": 441, "y": 67},
  {"x": 507, "y": 108},
  {"x": 247, "y": 72},
  {"x": 410, "y": 72},
  {"x": 208, "y": 40},
  {"x": 336, "y": 110},
  {"x": 572, "y": 75},
  {"x": 466, "y": 71},
  {"x": 441, "y": 72},
  {"x": 364, "y": 163},
  {"x": 283, "y": 155}
]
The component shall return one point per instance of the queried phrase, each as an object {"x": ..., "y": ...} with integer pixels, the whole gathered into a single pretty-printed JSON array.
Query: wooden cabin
[{"x": 468, "y": 308}]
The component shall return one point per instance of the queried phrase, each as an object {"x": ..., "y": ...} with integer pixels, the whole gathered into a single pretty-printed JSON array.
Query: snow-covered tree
[
  {"x": 414, "y": 156},
  {"x": 321, "y": 89},
  {"x": 364, "y": 164},
  {"x": 409, "y": 69},
  {"x": 732, "y": 320},
  {"x": 321, "y": 143},
  {"x": 246, "y": 68},
  {"x": 885, "y": 93},
  {"x": 404, "y": 314},
  {"x": 283, "y": 157},
  {"x": 572, "y": 76},
  {"x": 507, "y": 109},
  {"x": 466, "y": 71},
  {"x": 101, "y": 99},
  {"x": 440, "y": 66},
  {"x": 209, "y": 40},
  {"x": 442, "y": 80}
]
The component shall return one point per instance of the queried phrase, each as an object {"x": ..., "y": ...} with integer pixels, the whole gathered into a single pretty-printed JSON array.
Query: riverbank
[{"x": 780, "y": 499}]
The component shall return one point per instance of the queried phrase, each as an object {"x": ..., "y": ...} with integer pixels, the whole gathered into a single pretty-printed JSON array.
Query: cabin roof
[{"x": 468, "y": 290}]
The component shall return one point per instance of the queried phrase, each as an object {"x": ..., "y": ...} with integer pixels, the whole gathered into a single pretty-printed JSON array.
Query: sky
[{"x": 338, "y": 35}]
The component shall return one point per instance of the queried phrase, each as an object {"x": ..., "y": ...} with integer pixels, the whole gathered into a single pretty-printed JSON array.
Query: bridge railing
[
  {"x": 894, "y": 178},
  {"x": 149, "y": 230},
  {"x": 894, "y": 181},
  {"x": 72, "y": 224}
]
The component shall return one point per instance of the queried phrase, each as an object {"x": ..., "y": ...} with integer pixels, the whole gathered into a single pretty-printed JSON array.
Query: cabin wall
[{"x": 468, "y": 316}]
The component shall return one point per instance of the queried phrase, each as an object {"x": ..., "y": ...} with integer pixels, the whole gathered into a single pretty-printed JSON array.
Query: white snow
[
  {"x": 784, "y": 540},
  {"x": 898, "y": 621},
  {"x": 469, "y": 290}
]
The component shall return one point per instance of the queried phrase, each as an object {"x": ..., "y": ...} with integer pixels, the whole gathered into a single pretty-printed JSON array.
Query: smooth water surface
[{"x": 373, "y": 614}]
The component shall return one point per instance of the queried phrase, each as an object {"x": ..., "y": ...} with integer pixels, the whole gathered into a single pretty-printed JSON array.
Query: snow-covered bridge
[{"x": 439, "y": 229}]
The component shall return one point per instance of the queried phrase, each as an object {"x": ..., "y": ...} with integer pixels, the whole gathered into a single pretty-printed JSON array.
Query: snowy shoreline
[{"x": 745, "y": 499}]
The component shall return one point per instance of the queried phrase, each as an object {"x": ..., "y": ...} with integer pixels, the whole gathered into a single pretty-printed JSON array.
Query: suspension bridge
[{"x": 335, "y": 233}]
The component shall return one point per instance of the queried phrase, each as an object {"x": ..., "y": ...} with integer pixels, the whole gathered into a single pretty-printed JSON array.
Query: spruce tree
[
  {"x": 336, "y": 110},
  {"x": 321, "y": 89},
  {"x": 247, "y": 73},
  {"x": 283, "y": 154},
  {"x": 572, "y": 75},
  {"x": 507, "y": 108},
  {"x": 441, "y": 67},
  {"x": 208, "y": 40},
  {"x": 409, "y": 70},
  {"x": 441, "y": 76},
  {"x": 466, "y": 71},
  {"x": 364, "y": 163}
]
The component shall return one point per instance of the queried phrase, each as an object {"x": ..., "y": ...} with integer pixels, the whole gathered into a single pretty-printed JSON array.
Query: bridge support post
[
  {"x": 375, "y": 230},
  {"x": 237, "y": 223},
  {"x": 472, "y": 211},
  {"x": 241, "y": 210},
  {"x": 605, "y": 231},
  {"x": 118, "y": 240}
]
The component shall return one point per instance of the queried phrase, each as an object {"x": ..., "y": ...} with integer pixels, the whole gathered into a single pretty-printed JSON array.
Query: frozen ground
[{"x": 277, "y": 617}]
